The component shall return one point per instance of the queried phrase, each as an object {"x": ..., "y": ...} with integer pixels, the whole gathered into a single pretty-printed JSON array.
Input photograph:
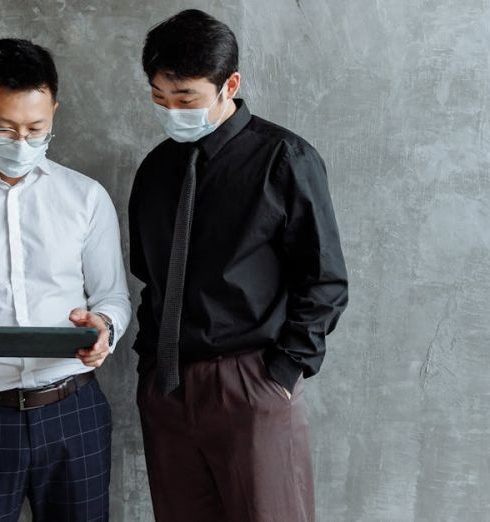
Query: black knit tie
[{"x": 168, "y": 339}]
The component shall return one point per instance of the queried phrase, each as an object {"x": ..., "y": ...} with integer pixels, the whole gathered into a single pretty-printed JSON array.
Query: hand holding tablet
[{"x": 20, "y": 341}]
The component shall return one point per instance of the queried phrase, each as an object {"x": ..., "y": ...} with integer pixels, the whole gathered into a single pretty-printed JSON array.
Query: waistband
[{"x": 28, "y": 399}]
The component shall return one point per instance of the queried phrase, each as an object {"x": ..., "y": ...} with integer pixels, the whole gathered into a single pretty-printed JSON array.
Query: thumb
[{"x": 78, "y": 315}]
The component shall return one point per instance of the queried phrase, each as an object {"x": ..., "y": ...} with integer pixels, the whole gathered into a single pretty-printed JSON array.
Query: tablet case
[{"x": 20, "y": 341}]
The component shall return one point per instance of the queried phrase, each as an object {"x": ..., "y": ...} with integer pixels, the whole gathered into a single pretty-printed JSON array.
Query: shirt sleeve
[
  {"x": 314, "y": 266},
  {"x": 139, "y": 268},
  {"x": 102, "y": 263}
]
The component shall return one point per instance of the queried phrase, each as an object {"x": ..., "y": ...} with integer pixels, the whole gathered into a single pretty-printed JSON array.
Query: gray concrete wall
[{"x": 395, "y": 95}]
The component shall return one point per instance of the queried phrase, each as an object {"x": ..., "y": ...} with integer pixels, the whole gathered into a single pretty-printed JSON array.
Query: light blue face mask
[
  {"x": 188, "y": 125},
  {"x": 18, "y": 158}
]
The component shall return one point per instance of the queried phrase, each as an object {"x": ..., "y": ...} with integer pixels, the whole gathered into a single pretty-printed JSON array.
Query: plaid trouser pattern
[{"x": 58, "y": 456}]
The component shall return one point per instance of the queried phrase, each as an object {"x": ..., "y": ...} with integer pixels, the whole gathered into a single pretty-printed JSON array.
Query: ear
[
  {"x": 56, "y": 105},
  {"x": 233, "y": 85}
]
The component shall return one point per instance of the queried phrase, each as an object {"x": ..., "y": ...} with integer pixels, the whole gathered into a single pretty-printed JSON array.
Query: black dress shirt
[{"x": 265, "y": 268}]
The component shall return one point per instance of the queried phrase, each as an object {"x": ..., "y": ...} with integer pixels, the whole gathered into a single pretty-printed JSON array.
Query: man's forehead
[
  {"x": 31, "y": 94},
  {"x": 4, "y": 119},
  {"x": 30, "y": 107},
  {"x": 179, "y": 85}
]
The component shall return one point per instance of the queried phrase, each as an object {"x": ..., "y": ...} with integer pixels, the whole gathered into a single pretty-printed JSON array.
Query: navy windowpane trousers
[{"x": 59, "y": 456}]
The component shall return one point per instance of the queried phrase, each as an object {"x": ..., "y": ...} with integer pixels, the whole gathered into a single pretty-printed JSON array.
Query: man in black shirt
[{"x": 234, "y": 236}]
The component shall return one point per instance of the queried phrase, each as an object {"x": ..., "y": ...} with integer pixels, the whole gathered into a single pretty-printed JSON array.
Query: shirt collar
[
  {"x": 211, "y": 144},
  {"x": 44, "y": 167}
]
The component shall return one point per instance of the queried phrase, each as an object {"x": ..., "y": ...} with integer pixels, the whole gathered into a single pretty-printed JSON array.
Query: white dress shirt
[{"x": 59, "y": 250}]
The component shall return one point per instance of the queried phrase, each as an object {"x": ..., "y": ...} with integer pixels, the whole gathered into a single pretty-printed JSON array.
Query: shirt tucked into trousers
[{"x": 59, "y": 250}]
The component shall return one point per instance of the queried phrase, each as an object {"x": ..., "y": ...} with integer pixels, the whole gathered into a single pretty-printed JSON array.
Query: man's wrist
[
  {"x": 282, "y": 369},
  {"x": 108, "y": 324}
]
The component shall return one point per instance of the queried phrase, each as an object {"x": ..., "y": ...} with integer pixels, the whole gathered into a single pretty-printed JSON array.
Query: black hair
[
  {"x": 25, "y": 66},
  {"x": 191, "y": 44}
]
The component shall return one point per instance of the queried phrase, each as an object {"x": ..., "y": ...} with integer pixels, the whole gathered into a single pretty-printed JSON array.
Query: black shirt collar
[{"x": 211, "y": 144}]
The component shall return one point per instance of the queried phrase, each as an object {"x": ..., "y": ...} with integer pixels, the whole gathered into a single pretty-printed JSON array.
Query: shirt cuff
[{"x": 282, "y": 368}]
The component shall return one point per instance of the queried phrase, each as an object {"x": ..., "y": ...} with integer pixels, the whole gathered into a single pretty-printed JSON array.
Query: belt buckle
[
  {"x": 22, "y": 401},
  {"x": 63, "y": 388}
]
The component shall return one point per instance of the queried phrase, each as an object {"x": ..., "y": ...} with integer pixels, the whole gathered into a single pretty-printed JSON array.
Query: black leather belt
[{"x": 28, "y": 399}]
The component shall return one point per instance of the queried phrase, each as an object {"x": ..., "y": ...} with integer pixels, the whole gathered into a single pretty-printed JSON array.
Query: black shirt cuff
[{"x": 282, "y": 369}]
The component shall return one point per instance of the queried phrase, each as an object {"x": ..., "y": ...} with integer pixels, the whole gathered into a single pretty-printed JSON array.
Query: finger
[
  {"x": 96, "y": 349},
  {"x": 95, "y": 364},
  {"x": 91, "y": 360}
]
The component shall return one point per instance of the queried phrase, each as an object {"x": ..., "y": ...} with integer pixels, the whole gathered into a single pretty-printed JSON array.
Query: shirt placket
[{"x": 17, "y": 273}]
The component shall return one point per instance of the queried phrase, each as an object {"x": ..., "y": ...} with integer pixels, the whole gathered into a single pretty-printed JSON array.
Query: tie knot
[{"x": 193, "y": 155}]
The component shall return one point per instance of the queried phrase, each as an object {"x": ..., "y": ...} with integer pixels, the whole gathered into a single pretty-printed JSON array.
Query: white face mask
[
  {"x": 187, "y": 125},
  {"x": 18, "y": 158}
]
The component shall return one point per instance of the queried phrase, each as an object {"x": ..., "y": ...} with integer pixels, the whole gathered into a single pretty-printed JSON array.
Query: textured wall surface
[{"x": 395, "y": 95}]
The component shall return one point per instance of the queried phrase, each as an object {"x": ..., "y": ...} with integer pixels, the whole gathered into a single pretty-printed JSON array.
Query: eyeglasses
[{"x": 33, "y": 139}]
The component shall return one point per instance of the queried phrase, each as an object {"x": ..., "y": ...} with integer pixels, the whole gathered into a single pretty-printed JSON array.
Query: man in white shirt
[{"x": 60, "y": 265}]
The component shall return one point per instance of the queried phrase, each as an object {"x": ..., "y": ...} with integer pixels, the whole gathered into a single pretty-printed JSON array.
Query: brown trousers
[{"x": 227, "y": 445}]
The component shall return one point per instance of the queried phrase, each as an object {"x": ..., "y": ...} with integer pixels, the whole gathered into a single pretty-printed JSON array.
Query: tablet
[{"x": 20, "y": 341}]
